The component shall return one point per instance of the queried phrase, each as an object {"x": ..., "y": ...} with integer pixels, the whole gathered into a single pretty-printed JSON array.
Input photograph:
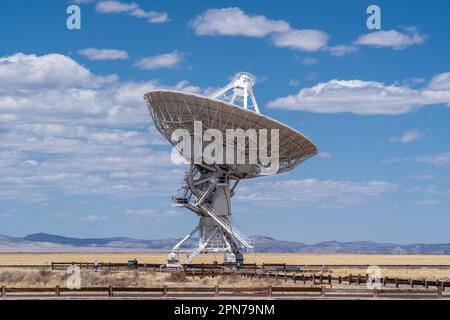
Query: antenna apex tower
[{"x": 242, "y": 87}]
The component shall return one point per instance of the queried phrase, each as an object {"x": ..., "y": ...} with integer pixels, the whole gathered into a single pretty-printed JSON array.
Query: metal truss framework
[{"x": 208, "y": 194}]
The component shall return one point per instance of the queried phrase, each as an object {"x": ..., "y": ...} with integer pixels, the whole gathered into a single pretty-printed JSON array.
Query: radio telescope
[{"x": 207, "y": 188}]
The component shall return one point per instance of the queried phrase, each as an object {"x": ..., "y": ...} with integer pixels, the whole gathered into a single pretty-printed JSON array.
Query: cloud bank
[
  {"x": 366, "y": 97},
  {"x": 66, "y": 130}
]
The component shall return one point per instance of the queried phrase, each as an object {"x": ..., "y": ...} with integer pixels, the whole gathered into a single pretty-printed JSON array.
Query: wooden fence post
[
  {"x": 165, "y": 291},
  {"x": 295, "y": 278},
  {"x": 396, "y": 282},
  {"x": 411, "y": 282},
  {"x": 439, "y": 292},
  {"x": 110, "y": 291},
  {"x": 270, "y": 290},
  {"x": 314, "y": 279},
  {"x": 57, "y": 292},
  {"x": 303, "y": 278},
  {"x": 339, "y": 279},
  {"x": 375, "y": 292},
  {"x": 350, "y": 279},
  {"x": 329, "y": 279},
  {"x": 321, "y": 278},
  {"x": 216, "y": 290},
  {"x": 322, "y": 291},
  {"x": 425, "y": 284},
  {"x": 3, "y": 291}
]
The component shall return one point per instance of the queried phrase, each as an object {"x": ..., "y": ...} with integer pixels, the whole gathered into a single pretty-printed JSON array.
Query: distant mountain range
[{"x": 43, "y": 242}]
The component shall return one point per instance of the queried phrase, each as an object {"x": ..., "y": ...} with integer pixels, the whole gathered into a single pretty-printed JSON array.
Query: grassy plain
[
  {"x": 429, "y": 272},
  {"x": 29, "y": 278},
  {"x": 288, "y": 258}
]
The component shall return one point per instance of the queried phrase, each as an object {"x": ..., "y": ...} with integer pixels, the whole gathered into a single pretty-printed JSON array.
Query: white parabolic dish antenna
[{"x": 208, "y": 186}]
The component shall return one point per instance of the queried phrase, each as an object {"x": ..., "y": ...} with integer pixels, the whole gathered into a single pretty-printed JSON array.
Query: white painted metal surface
[
  {"x": 241, "y": 88},
  {"x": 207, "y": 189}
]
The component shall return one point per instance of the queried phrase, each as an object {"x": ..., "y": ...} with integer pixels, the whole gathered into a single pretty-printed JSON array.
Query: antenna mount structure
[
  {"x": 207, "y": 189},
  {"x": 208, "y": 194}
]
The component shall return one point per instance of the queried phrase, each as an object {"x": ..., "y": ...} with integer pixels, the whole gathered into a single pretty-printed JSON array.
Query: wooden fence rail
[
  {"x": 224, "y": 291},
  {"x": 328, "y": 279},
  {"x": 246, "y": 266},
  {"x": 261, "y": 272}
]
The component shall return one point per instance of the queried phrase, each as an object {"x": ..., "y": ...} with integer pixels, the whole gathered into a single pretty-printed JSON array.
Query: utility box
[{"x": 132, "y": 264}]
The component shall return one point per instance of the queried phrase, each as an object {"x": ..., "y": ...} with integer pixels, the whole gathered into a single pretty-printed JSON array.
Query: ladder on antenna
[
  {"x": 225, "y": 224},
  {"x": 199, "y": 248},
  {"x": 202, "y": 196}
]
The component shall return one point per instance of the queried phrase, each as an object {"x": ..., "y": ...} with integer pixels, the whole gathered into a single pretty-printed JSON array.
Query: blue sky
[{"x": 79, "y": 155}]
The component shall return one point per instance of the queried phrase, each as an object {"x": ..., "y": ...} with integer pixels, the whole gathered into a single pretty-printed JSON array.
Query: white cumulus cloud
[
  {"x": 314, "y": 193},
  {"x": 305, "y": 40},
  {"x": 52, "y": 70},
  {"x": 235, "y": 22},
  {"x": 365, "y": 97},
  {"x": 132, "y": 9},
  {"x": 407, "y": 137},
  {"x": 103, "y": 54},
  {"x": 439, "y": 160},
  {"x": 391, "y": 38},
  {"x": 166, "y": 60},
  {"x": 342, "y": 50}
]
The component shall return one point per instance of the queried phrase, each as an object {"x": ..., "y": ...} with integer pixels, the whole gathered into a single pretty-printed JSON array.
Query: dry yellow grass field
[
  {"x": 28, "y": 277},
  {"x": 402, "y": 273},
  {"x": 289, "y": 258}
]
